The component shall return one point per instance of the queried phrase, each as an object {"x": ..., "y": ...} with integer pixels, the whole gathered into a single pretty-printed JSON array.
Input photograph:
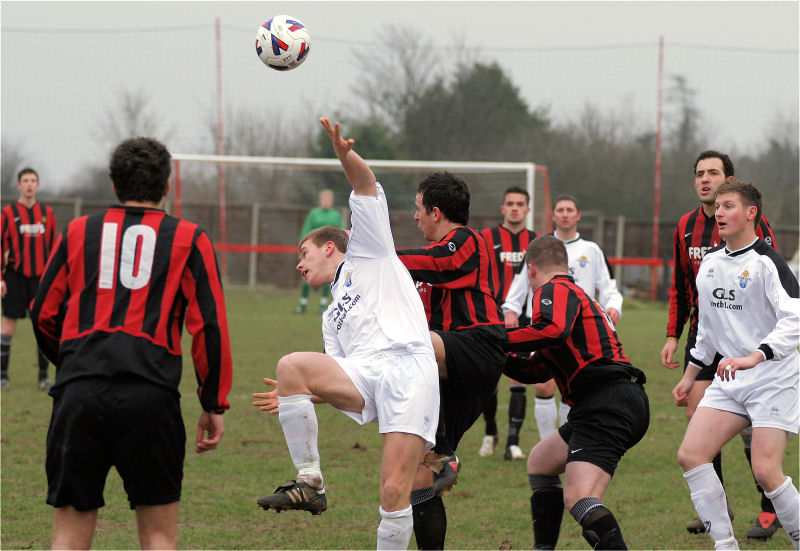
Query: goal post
[{"x": 264, "y": 194}]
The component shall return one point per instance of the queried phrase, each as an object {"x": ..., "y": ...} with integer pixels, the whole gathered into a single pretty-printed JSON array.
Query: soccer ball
[{"x": 283, "y": 42}]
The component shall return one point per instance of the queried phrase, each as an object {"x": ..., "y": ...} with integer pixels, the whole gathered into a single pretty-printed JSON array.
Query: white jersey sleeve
[
  {"x": 703, "y": 350},
  {"x": 589, "y": 268},
  {"x": 607, "y": 293},
  {"x": 784, "y": 339},
  {"x": 517, "y": 293},
  {"x": 372, "y": 237}
]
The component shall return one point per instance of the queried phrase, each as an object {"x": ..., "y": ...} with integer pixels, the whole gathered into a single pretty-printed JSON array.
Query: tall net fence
[
  {"x": 164, "y": 80},
  {"x": 740, "y": 95}
]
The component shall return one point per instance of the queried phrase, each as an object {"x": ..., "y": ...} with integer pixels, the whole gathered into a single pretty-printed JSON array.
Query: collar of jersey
[
  {"x": 742, "y": 250},
  {"x": 338, "y": 271},
  {"x": 577, "y": 236}
]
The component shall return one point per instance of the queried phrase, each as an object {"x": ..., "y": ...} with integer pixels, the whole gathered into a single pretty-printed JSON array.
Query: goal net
[{"x": 254, "y": 207}]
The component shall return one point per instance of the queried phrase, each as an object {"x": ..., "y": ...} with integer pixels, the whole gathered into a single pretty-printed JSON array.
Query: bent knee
[
  {"x": 287, "y": 366},
  {"x": 571, "y": 498},
  {"x": 689, "y": 458},
  {"x": 768, "y": 477},
  {"x": 395, "y": 493}
]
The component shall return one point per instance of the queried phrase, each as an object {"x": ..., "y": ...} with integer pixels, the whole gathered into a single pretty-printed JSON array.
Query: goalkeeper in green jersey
[{"x": 323, "y": 215}]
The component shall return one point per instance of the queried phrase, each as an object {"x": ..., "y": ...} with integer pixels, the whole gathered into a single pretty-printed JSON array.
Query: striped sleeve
[
  {"x": 50, "y": 229},
  {"x": 764, "y": 231},
  {"x": 5, "y": 239},
  {"x": 47, "y": 308},
  {"x": 488, "y": 235},
  {"x": 680, "y": 297},
  {"x": 528, "y": 369},
  {"x": 555, "y": 311},
  {"x": 206, "y": 321},
  {"x": 451, "y": 263}
]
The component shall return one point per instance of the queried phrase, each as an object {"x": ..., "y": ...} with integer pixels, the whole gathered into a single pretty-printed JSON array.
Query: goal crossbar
[{"x": 529, "y": 169}]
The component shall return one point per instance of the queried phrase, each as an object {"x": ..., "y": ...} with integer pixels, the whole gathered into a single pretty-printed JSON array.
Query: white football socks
[
  {"x": 545, "y": 413},
  {"x": 299, "y": 421},
  {"x": 786, "y": 501},
  {"x": 708, "y": 497},
  {"x": 563, "y": 411},
  {"x": 394, "y": 531}
]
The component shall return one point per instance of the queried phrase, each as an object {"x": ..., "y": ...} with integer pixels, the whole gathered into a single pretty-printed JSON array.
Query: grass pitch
[{"x": 490, "y": 504}]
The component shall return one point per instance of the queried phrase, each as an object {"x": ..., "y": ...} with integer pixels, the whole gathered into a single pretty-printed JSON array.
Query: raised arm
[{"x": 356, "y": 169}]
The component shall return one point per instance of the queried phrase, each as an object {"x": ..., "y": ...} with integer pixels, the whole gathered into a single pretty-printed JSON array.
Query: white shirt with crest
[
  {"x": 375, "y": 306},
  {"x": 748, "y": 300}
]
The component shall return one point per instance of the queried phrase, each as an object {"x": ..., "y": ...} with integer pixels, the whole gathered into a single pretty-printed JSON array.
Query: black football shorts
[
  {"x": 128, "y": 423},
  {"x": 20, "y": 291},
  {"x": 475, "y": 360},
  {"x": 606, "y": 424}
]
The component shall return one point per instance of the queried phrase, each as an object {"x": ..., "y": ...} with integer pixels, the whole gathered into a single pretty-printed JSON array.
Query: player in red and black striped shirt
[
  {"x": 467, "y": 331},
  {"x": 696, "y": 233},
  {"x": 27, "y": 232},
  {"x": 575, "y": 342},
  {"x": 109, "y": 313},
  {"x": 508, "y": 242}
]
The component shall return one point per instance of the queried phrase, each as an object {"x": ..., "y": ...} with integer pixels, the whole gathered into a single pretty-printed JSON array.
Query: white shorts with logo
[
  {"x": 766, "y": 400},
  {"x": 400, "y": 391}
]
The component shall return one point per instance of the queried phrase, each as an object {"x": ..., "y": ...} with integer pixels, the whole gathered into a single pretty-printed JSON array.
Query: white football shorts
[
  {"x": 400, "y": 390},
  {"x": 766, "y": 404}
]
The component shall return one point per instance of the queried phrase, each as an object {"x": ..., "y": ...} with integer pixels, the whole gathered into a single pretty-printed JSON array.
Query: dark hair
[
  {"x": 24, "y": 171},
  {"x": 547, "y": 251},
  {"x": 727, "y": 164},
  {"x": 567, "y": 197},
  {"x": 140, "y": 169},
  {"x": 449, "y": 193},
  {"x": 749, "y": 193},
  {"x": 517, "y": 189},
  {"x": 322, "y": 235}
]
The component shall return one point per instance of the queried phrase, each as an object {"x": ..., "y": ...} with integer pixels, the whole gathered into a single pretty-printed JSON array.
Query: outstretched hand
[
  {"x": 355, "y": 168},
  {"x": 340, "y": 145},
  {"x": 268, "y": 401}
]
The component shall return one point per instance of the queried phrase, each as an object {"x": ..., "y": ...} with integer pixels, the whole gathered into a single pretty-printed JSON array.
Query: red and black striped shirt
[
  {"x": 27, "y": 236},
  {"x": 574, "y": 340},
  {"x": 509, "y": 255},
  {"x": 116, "y": 293},
  {"x": 460, "y": 267},
  {"x": 695, "y": 234}
]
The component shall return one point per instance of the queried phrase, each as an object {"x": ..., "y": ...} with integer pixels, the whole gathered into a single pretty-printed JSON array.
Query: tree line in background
[{"x": 407, "y": 110}]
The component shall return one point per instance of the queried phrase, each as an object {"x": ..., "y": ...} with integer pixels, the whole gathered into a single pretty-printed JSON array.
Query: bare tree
[
  {"x": 133, "y": 115},
  {"x": 396, "y": 74},
  {"x": 253, "y": 134},
  {"x": 13, "y": 159},
  {"x": 682, "y": 118}
]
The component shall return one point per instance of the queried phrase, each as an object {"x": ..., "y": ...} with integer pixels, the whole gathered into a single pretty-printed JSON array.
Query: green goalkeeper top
[{"x": 319, "y": 217}]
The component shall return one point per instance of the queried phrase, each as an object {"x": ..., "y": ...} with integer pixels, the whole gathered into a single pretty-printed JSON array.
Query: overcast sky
[
  {"x": 49, "y": 76},
  {"x": 519, "y": 24}
]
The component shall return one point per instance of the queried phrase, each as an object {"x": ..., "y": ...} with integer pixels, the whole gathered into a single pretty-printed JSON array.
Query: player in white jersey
[
  {"x": 590, "y": 269},
  {"x": 379, "y": 363},
  {"x": 749, "y": 319}
]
